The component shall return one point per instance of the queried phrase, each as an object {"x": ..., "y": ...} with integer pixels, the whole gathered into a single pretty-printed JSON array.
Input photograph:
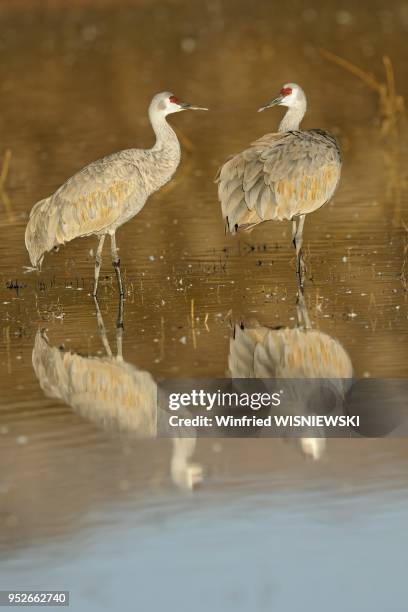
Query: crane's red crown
[
  {"x": 173, "y": 100},
  {"x": 286, "y": 91}
]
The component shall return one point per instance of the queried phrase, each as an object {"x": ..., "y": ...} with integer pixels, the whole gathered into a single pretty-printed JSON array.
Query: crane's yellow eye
[
  {"x": 286, "y": 91},
  {"x": 173, "y": 100}
]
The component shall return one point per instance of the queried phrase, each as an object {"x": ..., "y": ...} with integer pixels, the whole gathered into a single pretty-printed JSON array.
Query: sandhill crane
[
  {"x": 108, "y": 192},
  {"x": 293, "y": 353},
  {"x": 282, "y": 175},
  {"x": 111, "y": 393}
]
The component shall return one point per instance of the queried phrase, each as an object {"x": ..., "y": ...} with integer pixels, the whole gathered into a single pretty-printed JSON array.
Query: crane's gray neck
[
  {"x": 293, "y": 117},
  {"x": 164, "y": 156},
  {"x": 165, "y": 135}
]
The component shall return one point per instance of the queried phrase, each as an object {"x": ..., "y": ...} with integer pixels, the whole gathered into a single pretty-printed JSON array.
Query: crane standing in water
[
  {"x": 98, "y": 199},
  {"x": 282, "y": 175}
]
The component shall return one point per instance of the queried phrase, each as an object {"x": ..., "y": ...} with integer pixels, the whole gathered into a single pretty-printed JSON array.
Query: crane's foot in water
[{"x": 29, "y": 269}]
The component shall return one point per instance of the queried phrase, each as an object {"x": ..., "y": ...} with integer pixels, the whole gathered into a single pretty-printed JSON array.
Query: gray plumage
[
  {"x": 108, "y": 192},
  {"x": 293, "y": 353},
  {"x": 108, "y": 391},
  {"x": 111, "y": 393},
  {"x": 260, "y": 352},
  {"x": 282, "y": 175}
]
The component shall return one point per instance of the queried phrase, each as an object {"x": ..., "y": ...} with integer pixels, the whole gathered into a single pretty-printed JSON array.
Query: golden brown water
[{"x": 74, "y": 85}]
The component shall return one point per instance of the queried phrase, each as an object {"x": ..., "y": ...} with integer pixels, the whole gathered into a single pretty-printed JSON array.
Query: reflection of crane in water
[
  {"x": 98, "y": 199},
  {"x": 112, "y": 393},
  {"x": 291, "y": 353},
  {"x": 283, "y": 175}
]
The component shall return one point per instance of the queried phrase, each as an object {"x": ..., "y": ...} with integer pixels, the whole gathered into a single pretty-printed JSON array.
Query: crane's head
[
  {"x": 166, "y": 103},
  {"x": 290, "y": 95}
]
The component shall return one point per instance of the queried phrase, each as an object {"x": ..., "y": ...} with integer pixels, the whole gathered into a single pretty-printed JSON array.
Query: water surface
[{"x": 85, "y": 508}]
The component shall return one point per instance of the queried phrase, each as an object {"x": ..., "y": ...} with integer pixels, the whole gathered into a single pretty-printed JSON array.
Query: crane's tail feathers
[
  {"x": 41, "y": 230},
  {"x": 247, "y": 227},
  {"x": 235, "y": 229},
  {"x": 37, "y": 206},
  {"x": 234, "y": 208}
]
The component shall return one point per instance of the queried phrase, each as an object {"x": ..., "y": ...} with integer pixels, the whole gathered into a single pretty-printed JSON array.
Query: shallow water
[{"x": 84, "y": 508}]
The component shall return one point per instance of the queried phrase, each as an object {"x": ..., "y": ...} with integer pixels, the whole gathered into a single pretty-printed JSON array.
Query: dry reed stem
[
  {"x": 366, "y": 77},
  {"x": 3, "y": 177},
  {"x": 391, "y": 104},
  {"x": 404, "y": 267},
  {"x": 5, "y": 168},
  {"x": 192, "y": 315}
]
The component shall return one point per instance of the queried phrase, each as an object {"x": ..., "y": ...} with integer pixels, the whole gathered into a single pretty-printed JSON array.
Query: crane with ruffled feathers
[
  {"x": 283, "y": 175},
  {"x": 105, "y": 194}
]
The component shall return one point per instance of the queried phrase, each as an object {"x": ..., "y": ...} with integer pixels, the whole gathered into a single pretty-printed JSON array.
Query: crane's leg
[
  {"x": 98, "y": 263},
  {"x": 298, "y": 242},
  {"x": 302, "y": 313},
  {"x": 102, "y": 329},
  {"x": 119, "y": 330},
  {"x": 116, "y": 263}
]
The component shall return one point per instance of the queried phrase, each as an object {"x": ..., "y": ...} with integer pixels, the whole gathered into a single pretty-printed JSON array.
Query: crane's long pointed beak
[
  {"x": 274, "y": 102},
  {"x": 187, "y": 106}
]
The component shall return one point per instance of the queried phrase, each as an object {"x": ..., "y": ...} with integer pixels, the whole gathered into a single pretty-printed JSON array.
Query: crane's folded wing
[
  {"x": 278, "y": 177},
  {"x": 91, "y": 201},
  {"x": 95, "y": 198}
]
